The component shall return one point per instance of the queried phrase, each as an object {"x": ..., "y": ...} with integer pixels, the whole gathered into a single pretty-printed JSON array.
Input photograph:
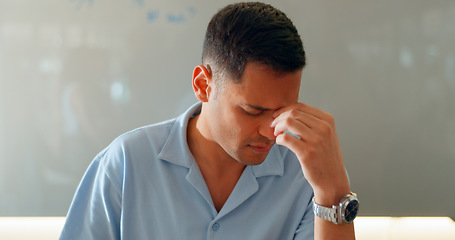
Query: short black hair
[{"x": 252, "y": 31}]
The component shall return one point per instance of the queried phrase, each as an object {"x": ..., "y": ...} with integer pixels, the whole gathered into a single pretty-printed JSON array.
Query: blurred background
[{"x": 74, "y": 74}]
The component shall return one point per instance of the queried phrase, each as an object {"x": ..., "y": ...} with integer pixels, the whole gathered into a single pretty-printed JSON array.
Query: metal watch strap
[
  {"x": 329, "y": 214},
  {"x": 344, "y": 212}
]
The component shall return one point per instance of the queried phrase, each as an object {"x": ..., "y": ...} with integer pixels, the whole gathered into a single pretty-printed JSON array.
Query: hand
[{"x": 318, "y": 149}]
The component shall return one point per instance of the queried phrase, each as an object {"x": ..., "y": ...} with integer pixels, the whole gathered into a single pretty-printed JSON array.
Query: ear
[{"x": 202, "y": 82}]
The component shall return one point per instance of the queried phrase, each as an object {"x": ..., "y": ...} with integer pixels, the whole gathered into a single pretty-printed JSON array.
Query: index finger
[{"x": 304, "y": 108}]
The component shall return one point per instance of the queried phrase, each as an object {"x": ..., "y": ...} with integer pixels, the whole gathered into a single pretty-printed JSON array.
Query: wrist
[
  {"x": 330, "y": 198},
  {"x": 344, "y": 212}
]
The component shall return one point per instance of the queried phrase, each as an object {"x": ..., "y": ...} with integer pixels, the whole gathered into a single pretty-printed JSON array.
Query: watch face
[{"x": 351, "y": 211}]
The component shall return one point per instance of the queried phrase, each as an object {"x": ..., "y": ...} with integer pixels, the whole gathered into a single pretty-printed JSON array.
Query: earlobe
[{"x": 202, "y": 80}]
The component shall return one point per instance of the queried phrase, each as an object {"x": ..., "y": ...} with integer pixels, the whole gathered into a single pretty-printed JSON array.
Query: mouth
[{"x": 261, "y": 148}]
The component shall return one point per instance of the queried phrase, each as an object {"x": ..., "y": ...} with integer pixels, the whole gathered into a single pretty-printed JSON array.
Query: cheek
[
  {"x": 232, "y": 127},
  {"x": 235, "y": 126},
  {"x": 245, "y": 127}
]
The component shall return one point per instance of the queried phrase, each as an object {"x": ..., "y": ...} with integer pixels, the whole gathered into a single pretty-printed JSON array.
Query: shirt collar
[
  {"x": 272, "y": 165},
  {"x": 176, "y": 148}
]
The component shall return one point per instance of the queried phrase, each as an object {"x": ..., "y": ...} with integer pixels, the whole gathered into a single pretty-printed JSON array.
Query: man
[{"x": 215, "y": 172}]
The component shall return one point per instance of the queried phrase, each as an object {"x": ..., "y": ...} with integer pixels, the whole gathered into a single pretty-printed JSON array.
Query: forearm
[
  {"x": 318, "y": 150},
  {"x": 324, "y": 230}
]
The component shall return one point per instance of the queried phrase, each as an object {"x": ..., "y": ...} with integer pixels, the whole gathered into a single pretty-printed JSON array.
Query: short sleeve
[{"x": 96, "y": 208}]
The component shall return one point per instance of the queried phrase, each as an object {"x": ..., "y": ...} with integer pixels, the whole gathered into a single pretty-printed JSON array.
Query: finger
[
  {"x": 318, "y": 113},
  {"x": 294, "y": 144},
  {"x": 290, "y": 113},
  {"x": 292, "y": 125},
  {"x": 308, "y": 120}
]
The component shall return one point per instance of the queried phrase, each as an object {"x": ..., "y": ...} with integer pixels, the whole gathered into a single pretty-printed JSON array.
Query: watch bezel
[{"x": 345, "y": 202}]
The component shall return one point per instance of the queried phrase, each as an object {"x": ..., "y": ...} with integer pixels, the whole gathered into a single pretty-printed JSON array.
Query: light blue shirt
[{"x": 147, "y": 185}]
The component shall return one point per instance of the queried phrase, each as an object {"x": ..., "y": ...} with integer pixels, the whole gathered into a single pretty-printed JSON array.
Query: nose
[{"x": 265, "y": 129}]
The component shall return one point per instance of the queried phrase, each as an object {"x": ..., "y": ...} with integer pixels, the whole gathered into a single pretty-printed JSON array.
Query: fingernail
[{"x": 272, "y": 124}]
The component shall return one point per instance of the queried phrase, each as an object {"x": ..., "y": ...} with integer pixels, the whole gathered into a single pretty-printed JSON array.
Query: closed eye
[
  {"x": 255, "y": 114},
  {"x": 253, "y": 110}
]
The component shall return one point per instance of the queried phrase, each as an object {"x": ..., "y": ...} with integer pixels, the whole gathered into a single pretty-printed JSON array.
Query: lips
[{"x": 261, "y": 148}]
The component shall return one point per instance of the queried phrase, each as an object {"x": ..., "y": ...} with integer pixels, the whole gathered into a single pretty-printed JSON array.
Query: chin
[
  {"x": 248, "y": 157},
  {"x": 252, "y": 160}
]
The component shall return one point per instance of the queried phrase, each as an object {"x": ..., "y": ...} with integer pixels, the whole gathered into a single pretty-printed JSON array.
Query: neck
[
  {"x": 220, "y": 171},
  {"x": 209, "y": 155}
]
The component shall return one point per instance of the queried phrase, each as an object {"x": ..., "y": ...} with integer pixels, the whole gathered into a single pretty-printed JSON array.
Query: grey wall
[{"x": 75, "y": 74}]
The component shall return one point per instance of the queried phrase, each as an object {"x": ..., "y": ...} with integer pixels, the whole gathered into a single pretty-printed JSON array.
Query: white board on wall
[{"x": 76, "y": 74}]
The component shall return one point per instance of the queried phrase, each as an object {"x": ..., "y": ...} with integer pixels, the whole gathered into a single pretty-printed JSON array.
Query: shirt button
[{"x": 216, "y": 227}]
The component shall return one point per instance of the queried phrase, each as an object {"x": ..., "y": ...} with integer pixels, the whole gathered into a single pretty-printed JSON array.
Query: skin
[{"x": 240, "y": 122}]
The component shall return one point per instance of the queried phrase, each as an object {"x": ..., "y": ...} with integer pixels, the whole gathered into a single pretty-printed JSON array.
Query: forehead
[{"x": 262, "y": 86}]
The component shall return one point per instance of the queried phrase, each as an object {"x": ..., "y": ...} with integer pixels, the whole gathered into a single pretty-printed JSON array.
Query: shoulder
[
  {"x": 150, "y": 136},
  {"x": 135, "y": 145}
]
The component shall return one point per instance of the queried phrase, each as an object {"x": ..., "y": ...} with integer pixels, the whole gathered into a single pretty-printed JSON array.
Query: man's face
[{"x": 240, "y": 114}]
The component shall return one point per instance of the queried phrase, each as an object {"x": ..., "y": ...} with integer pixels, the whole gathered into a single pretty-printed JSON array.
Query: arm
[
  {"x": 95, "y": 210},
  {"x": 320, "y": 157}
]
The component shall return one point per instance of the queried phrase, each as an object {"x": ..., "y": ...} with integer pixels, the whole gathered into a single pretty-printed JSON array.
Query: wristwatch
[{"x": 343, "y": 213}]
